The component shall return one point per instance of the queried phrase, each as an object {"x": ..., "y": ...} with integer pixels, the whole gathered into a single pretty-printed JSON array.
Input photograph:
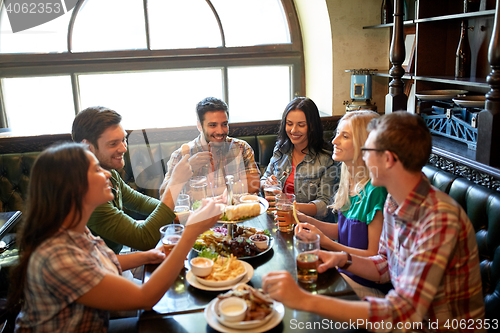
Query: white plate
[
  {"x": 241, "y": 325},
  {"x": 216, "y": 284},
  {"x": 264, "y": 205},
  {"x": 432, "y": 95},
  {"x": 211, "y": 318},
  {"x": 194, "y": 282},
  {"x": 471, "y": 101}
]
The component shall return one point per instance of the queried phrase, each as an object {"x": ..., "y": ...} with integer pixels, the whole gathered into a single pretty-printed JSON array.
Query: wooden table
[{"x": 181, "y": 309}]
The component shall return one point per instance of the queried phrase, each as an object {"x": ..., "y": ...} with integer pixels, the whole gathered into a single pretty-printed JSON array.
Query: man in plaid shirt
[
  {"x": 427, "y": 248},
  {"x": 215, "y": 155}
]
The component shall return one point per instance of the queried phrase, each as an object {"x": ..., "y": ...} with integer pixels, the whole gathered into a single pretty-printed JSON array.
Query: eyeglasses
[{"x": 363, "y": 150}]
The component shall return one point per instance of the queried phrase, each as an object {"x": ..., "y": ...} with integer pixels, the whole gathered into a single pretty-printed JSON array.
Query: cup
[
  {"x": 284, "y": 208},
  {"x": 182, "y": 209},
  {"x": 183, "y": 200},
  {"x": 198, "y": 190},
  {"x": 306, "y": 250},
  {"x": 170, "y": 236},
  {"x": 270, "y": 191}
]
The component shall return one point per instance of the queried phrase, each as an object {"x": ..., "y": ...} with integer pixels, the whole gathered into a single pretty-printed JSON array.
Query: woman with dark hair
[
  {"x": 302, "y": 159},
  {"x": 67, "y": 280}
]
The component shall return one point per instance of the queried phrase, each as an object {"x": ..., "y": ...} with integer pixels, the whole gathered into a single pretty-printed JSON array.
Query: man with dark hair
[
  {"x": 100, "y": 128},
  {"x": 427, "y": 247},
  {"x": 215, "y": 155}
]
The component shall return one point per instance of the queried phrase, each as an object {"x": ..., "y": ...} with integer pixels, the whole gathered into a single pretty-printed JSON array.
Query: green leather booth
[{"x": 483, "y": 209}]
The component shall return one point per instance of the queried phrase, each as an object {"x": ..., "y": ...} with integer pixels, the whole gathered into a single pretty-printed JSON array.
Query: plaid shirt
[
  {"x": 235, "y": 157},
  {"x": 428, "y": 250},
  {"x": 62, "y": 269}
]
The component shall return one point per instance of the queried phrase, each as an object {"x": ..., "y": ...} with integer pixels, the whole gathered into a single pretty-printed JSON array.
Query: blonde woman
[{"x": 359, "y": 204}]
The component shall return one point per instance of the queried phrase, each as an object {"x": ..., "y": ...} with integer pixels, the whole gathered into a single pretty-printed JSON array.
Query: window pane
[
  {"x": 39, "y": 105},
  {"x": 253, "y": 22},
  {"x": 270, "y": 84},
  {"x": 190, "y": 24},
  {"x": 45, "y": 38},
  {"x": 152, "y": 99},
  {"x": 109, "y": 26}
]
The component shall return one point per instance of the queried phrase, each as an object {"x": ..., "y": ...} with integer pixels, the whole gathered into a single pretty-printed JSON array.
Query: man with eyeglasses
[
  {"x": 101, "y": 129},
  {"x": 427, "y": 248}
]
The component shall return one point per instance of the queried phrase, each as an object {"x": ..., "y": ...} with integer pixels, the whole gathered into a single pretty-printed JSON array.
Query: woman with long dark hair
[
  {"x": 67, "y": 280},
  {"x": 302, "y": 159}
]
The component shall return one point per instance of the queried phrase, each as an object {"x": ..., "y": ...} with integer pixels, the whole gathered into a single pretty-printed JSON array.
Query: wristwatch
[{"x": 348, "y": 262}]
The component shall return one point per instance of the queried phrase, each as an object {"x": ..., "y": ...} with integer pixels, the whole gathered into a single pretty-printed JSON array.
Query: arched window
[{"x": 150, "y": 60}]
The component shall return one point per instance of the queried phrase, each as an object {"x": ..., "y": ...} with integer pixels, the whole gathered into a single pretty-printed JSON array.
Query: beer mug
[{"x": 306, "y": 249}]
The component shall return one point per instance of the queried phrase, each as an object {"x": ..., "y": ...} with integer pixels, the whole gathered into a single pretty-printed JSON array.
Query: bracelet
[{"x": 348, "y": 262}]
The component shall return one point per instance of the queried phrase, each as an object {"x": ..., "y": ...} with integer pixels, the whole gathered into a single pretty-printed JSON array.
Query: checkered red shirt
[{"x": 428, "y": 250}]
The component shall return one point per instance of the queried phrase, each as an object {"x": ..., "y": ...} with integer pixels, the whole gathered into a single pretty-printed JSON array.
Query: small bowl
[
  {"x": 260, "y": 240},
  {"x": 201, "y": 266},
  {"x": 249, "y": 198},
  {"x": 233, "y": 309}
]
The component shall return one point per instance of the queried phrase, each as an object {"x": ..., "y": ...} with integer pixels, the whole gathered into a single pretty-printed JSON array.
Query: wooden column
[
  {"x": 396, "y": 100},
  {"x": 488, "y": 138}
]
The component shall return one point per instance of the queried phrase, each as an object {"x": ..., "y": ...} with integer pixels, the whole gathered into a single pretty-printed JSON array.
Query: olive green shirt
[{"x": 116, "y": 228}]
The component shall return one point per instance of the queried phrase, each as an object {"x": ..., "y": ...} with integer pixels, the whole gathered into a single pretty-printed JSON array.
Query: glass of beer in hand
[
  {"x": 170, "y": 235},
  {"x": 270, "y": 192},
  {"x": 306, "y": 249},
  {"x": 284, "y": 211}
]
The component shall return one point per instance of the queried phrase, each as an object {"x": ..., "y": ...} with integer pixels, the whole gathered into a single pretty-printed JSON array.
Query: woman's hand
[
  {"x": 281, "y": 286},
  {"x": 222, "y": 198},
  {"x": 182, "y": 172},
  {"x": 205, "y": 217},
  {"x": 311, "y": 228}
]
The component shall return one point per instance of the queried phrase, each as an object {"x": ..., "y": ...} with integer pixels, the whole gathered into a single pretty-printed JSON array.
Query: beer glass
[
  {"x": 270, "y": 192},
  {"x": 198, "y": 187},
  {"x": 170, "y": 236},
  {"x": 284, "y": 208},
  {"x": 306, "y": 249}
]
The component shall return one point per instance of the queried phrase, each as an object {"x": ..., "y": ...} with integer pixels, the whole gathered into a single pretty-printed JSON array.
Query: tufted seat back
[
  {"x": 15, "y": 170},
  {"x": 482, "y": 206}
]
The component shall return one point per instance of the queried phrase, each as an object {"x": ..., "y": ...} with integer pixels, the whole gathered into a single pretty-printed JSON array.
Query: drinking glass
[
  {"x": 182, "y": 200},
  {"x": 270, "y": 191},
  {"x": 170, "y": 235},
  {"x": 306, "y": 249},
  {"x": 198, "y": 190},
  {"x": 284, "y": 209}
]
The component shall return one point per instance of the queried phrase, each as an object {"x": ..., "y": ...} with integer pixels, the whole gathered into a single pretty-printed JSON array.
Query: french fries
[
  {"x": 225, "y": 269},
  {"x": 295, "y": 213}
]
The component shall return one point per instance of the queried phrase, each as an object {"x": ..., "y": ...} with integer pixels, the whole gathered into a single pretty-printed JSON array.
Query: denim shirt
[{"x": 316, "y": 177}]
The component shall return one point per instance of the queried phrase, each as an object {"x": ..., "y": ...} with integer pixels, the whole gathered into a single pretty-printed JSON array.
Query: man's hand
[
  {"x": 200, "y": 160},
  {"x": 154, "y": 256},
  {"x": 281, "y": 286},
  {"x": 329, "y": 259}
]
